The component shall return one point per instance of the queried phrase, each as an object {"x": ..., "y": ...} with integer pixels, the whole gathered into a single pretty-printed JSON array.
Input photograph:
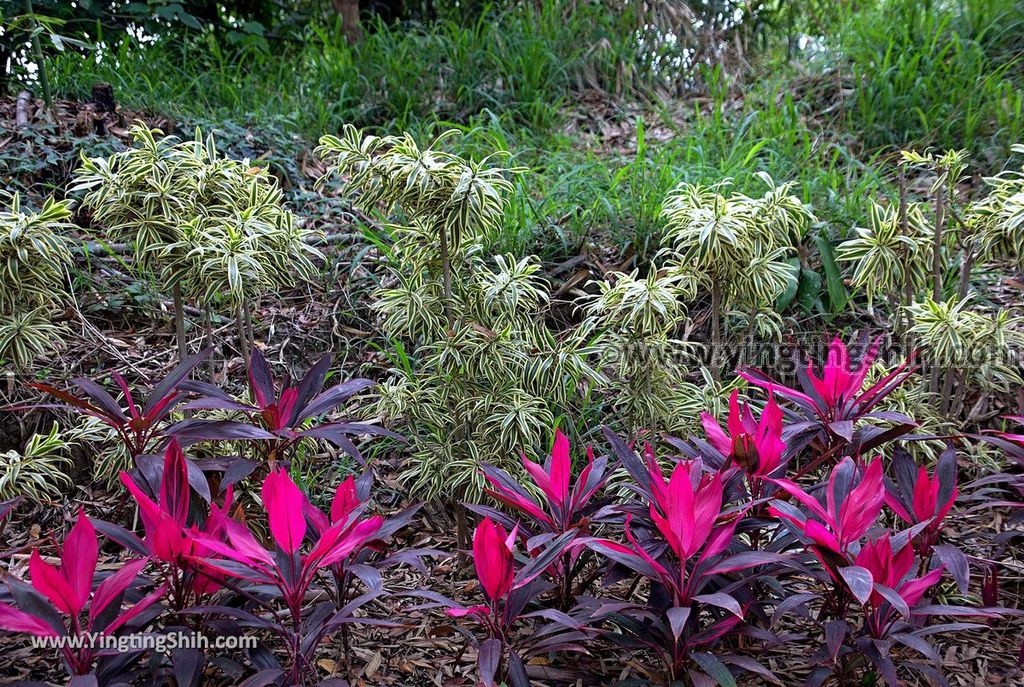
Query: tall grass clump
[
  {"x": 936, "y": 74},
  {"x": 523, "y": 60}
]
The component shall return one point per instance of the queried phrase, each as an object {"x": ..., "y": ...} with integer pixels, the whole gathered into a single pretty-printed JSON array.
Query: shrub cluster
[{"x": 782, "y": 511}]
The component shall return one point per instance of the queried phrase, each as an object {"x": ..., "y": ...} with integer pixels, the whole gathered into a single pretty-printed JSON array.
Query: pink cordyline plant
[
  {"x": 685, "y": 556},
  {"x": 565, "y": 505},
  {"x": 507, "y": 592},
  {"x": 893, "y": 591},
  {"x": 59, "y": 595},
  {"x": 168, "y": 533},
  {"x": 288, "y": 568},
  {"x": 755, "y": 446},
  {"x": 836, "y": 412},
  {"x": 848, "y": 512}
]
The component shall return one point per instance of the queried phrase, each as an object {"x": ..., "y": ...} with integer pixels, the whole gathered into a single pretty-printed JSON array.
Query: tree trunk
[
  {"x": 211, "y": 345},
  {"x": 103, "y": 97},
  {"x": 966, "y": 267},
  {"x": 908, "y": 282},
  {"x": 348, "y": 10},
  {"x": 243, "y": 337}
]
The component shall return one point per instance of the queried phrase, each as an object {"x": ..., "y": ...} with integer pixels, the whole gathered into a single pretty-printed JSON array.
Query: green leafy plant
[
  {"x": 635, "y": 319},
  {"x": 892, "y": 255},
  {"x": 736, "y": 246},
  {"x": 39, "y": 471},
  {"x": 948, "y": 168},
  {"x": 478, "y": 375},
  {"x": 215, "y": 229},
  {"x": 952, "y": 333},
  {"x": 27, "y": 334},
  {"x": 34, "y": 260},
  {"x": 1000, "y": 215}
]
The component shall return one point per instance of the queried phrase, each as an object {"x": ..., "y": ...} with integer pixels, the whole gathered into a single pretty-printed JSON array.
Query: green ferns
[
  {"x": 34, "y": 260},
  {"x": 478, "y": 376}
]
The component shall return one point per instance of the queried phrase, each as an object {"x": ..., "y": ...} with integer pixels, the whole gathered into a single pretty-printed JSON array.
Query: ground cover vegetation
[{"x": 554, "y": 342}]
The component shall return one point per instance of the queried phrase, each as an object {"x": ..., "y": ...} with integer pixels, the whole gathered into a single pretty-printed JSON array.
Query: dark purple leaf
[
  {"x": 677, "y": 617},
  {"x": 960, "y": 611},
  {"x": 956, "y": 563},
  {"x": 206, "y": 389},
  {"x": 188, "y": 666},
  {"x": 628, "y": 458},
  {"x": 218, "y": 430},
  {"x": 842, "y": 428},
  {"x": 542, "y": 560},
  {"x": 332, "y": 398},
  {"x": 488, "y": 660},
  {"x": 239, "y": 469},
  {"x": 172, "y": 380},
  {"x": 215, "y": 403},
  {"x": 714, "y": 667},
  {"x": 791, "y": 602},
  {"x": 818, "y": 677},
  {"x": 9, "y": 505},
  {"x": 750, "y": 665},
  {"x": 197, "y": 480},
  {"x": 100, "y": 398},
  {"x": 947, "y": 627},
  {"x": 264, "y": 678},
  {"x": 310, "y": 386},
  {"x": 897, "y": 601},
  {"x": 878, "y": 436},
  {"x": 859, "y": 581},
  {"x": 261, "y": 381},
  {"x": 517, "y": 676},
  {"x": 918, "y": 644},
  {"x": 122, "y": 536},
  {"x": 721, "y": 600},
  {"x": 945, "y": 471},
  {"x": 337, "y": 431},
  {"x": 369, "y": 576},
  {"x": 877, "y": 651},
  {"x": 750, "y": 559},
  {"x": 835, "y": 634},
  {"x": 841, "y": 482}
]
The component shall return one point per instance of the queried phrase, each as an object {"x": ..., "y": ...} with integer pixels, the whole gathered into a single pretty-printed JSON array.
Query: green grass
[
  {"x": 523, "y": 63},
  {"x": 577, "y": 193},
  {"x": 945, "y": 76},
  {"x": 937, "y": 74}
]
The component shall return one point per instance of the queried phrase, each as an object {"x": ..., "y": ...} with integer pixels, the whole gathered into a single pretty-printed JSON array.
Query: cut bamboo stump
[{"x": 22, "y": 107}]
